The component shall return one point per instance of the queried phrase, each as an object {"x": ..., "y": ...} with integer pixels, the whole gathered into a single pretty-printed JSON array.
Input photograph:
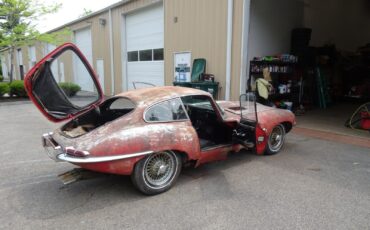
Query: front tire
[
  {"x": 275, "y": 140},
  {"x": 157, "y": 172}
]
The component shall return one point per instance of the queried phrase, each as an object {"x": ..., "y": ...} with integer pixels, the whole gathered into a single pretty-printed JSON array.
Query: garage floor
[{"x": 331, "y": 119}]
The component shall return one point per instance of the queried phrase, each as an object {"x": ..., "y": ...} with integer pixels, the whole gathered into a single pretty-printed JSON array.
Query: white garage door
[
  {"x": 144, "y": 44},
  {"x": 4, "y": 67},
  {"x": 84, "y": 43}
]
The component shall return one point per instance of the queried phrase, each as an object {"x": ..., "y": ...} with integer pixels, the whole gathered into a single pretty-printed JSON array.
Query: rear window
[
  {"x": 170, "y": 110},
  {"x": 122, "y": 103}
]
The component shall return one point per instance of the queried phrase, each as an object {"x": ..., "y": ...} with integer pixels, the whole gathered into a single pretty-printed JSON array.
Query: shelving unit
[{"x": 281, "y": 73}]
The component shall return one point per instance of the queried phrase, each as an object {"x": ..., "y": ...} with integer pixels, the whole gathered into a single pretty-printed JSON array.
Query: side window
[
  {"x": 170, "y": 110},
  {"x": 199, "y": 101}
]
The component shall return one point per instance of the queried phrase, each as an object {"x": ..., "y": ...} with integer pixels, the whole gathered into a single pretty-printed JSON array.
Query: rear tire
[
  {"x": 157, "y": 172},
  {"x": 275, "y": 140}
]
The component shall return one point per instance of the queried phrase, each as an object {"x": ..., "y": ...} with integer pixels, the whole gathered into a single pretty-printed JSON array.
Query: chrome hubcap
[{"x": 159, "y": 169}]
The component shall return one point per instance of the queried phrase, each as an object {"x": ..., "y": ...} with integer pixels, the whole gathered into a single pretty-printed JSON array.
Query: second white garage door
[
  {"x": 84, "y": 43},
  {"x": 144, "y": 46}
]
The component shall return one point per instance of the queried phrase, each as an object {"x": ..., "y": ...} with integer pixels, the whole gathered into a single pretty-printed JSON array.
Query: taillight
[
  {"x": 77, "y": 153},
  {"x": 260, "y": 140}
]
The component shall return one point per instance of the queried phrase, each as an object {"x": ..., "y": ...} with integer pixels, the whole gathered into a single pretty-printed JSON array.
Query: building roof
[{"x": 122, "y": 2}]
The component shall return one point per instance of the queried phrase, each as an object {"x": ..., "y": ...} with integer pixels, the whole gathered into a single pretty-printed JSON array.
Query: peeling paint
[{"x": 130, "y": 133}]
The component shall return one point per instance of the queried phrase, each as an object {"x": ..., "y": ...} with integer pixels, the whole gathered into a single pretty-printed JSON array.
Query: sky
[{"x": 70, "y": 10}]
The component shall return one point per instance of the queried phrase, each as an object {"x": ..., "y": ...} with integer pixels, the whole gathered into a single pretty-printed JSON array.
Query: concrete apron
[{"x": 336, "y": 137}]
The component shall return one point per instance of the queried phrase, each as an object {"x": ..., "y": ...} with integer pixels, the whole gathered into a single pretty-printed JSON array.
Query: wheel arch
[{"x": 287, "y": 126}]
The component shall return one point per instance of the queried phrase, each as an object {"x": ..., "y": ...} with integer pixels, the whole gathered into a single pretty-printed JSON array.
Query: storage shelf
[
  {"x": 272, "y": 63},
  {"x": 281, "y": 72},
  {"x": 273, "y": 72}
]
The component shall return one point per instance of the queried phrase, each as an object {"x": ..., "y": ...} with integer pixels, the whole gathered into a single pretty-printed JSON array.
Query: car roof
[{"x": 154, "y": 94}]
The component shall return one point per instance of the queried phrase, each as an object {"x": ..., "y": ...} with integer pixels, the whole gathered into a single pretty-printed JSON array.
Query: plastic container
[
  {"x": 182, "y": 84},
  {"x": 365, "y": 120},
  {"x": 289, "y": 105},
  {"x": 210, "y": 87}
]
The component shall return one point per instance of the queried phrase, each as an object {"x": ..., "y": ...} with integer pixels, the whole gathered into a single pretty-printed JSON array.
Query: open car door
[
  {"x": 63, "y": 84},
  {"x": 245, "y": 132}
]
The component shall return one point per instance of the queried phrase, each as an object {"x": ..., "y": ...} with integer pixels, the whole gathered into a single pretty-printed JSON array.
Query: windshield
[{"x": 248, "y": 106}]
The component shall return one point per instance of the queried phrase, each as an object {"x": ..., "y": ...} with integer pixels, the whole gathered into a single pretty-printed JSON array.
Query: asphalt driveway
[{"x": 311, "y": 184}]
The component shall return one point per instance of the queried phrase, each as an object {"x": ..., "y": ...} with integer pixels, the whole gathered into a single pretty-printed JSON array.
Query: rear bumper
[
  {"x": 58, "y": 153},
  {"x": 52, "y": 149}
]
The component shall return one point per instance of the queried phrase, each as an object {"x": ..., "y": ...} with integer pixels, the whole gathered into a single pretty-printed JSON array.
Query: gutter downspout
[
  {"x": 244, "y": 70},
  {"x": 230, "y": 5},
  {"x": 111, "y": 51}
]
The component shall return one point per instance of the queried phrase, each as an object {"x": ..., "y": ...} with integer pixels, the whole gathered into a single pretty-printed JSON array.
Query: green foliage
[
  {"x": 85, "y": 13},
  {"x": 1, "y": 78},
  {"x": 17, "y": 88},
  {"x": 19, "y": 26},
  {"x": 69, "y": 88},
  {"x": 4, "y": 88}
]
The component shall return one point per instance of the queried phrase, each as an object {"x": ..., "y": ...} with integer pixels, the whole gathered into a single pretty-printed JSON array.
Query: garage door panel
[
  {"x": 155, "y": 12},
  {"x": 147, "y": 21},
  {"x": 150, "y": 72},
  {"x": 143, "y": 37},
  {"x": 150, "y": 68},
  {"x": 144, "y": 44},
  {"x": 84, "y": 43},
  {"x": 144, "y": 31}
]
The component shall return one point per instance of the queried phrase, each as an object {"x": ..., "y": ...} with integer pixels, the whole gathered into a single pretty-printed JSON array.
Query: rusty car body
[{"x": 148, "y": 133}]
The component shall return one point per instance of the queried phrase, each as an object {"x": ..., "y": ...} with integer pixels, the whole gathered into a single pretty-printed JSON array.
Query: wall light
[{"x": 102, "y": 21}]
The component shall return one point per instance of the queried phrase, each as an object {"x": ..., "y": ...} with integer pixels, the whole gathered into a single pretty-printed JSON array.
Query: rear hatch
[{"x": 63, "y": 85}]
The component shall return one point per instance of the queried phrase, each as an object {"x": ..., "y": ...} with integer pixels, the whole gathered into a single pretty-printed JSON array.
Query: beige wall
[
  {"x": 5, "y": 55},
  {"x": 40, "y": 53},
  {"x": 236, "y": 55},
  {"x": 200, "y": 28},
  {"x": 101, "y": 41},
  {"x": 15, "y": 61}
]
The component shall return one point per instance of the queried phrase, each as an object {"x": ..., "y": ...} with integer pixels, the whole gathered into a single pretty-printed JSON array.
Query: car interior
[
  {"x": 110, "y": 110},
  {"x": 210, "y": 129}
]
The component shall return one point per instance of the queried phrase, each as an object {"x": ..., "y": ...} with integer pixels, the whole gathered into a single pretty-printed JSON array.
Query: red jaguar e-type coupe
[{"x": 146, "y": 133}]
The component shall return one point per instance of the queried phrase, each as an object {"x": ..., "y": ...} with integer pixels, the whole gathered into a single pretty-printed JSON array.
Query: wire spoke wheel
[
  {"x": 159, "y": 169},
  {"x": 157, "y": 172},
  {"x": 276, "y": 139}
]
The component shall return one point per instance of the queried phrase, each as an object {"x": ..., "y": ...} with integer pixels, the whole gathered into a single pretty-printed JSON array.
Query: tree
[
  {"x": 18, "y": 28},
  {"x": 85, "y": 13}
]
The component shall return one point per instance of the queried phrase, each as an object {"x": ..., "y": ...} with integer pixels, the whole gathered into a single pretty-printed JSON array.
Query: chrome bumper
[
  {"x": 52, "y": 149},
  {"x": 57, "y": 153}
]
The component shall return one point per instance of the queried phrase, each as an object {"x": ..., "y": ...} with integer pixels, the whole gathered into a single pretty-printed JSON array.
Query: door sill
[{"x": 214, "y": 147}]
